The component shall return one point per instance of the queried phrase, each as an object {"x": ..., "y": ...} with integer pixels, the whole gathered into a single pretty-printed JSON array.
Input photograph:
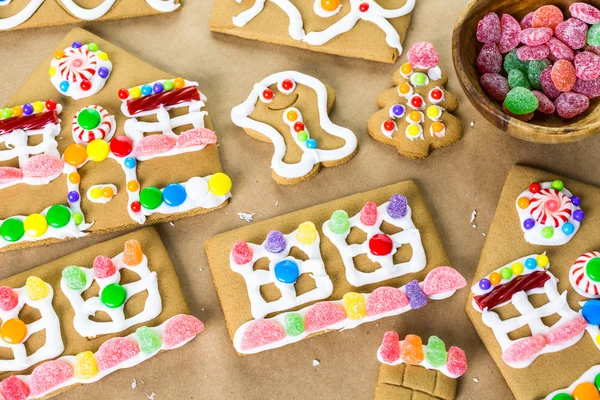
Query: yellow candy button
[
  {"x": 96, "y": 193},
  {"x": 135, "y": 92},
  {"x": 13, "y": 331},
  {"x": 413, "y": 130},
  {"x": 434, "y": 112},
  {"x": 103, "y": 56},
  {"x": 219, "y": 184},
  {"x": 98, "y": 150},
  {"x": 35, "y": 225},
  {"x": 52, "y": 71},
  {"x": 517, "y": 268},
  {"x": 542, "y": 260},
  {"x": 38, "y": 106}
]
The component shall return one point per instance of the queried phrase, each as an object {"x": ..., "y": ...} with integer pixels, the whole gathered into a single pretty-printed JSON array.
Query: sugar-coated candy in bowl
[
  {"x": 495, "y": 85},
  {"x": 510, "y": 33}
]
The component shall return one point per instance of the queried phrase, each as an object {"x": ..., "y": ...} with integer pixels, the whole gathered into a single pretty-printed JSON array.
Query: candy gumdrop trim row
[
  {"x": 113, "y": 355},
  {"x": 353, "y": 310}
]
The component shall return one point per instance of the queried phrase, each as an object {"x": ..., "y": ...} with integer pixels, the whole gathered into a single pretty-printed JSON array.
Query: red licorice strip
[
  {"x": 503, "y": 293},
  {"x": 28, "y": 122},
  {"x": 165, "y": 99}
]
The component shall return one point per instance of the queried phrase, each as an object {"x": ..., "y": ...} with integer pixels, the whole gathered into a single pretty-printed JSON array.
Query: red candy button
[
  {"x": 136, "y": 206},
  {"x": 268, "y": 94},
  {"x": 416, "y": 101},
  {"x": 123, "y": 94},
  {"x": 287, "y": 84},
  {"x": 85, "y": 85},
  {"x": 364, "y": 7},
  {"x": 436, "y": 94},
  {"x": 389, "y": 125},
  {"x": 50, "y": 105},
  {"x": 121, "y": 146},
  {"x": 535, "y": 187},
  {"x": 381, "y": 245},
  {"x": 298, "y": 126}
]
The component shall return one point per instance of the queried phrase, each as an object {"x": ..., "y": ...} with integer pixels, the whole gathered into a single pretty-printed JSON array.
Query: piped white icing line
[
  {"x": 321, "y": 12},
  {"x": 21, "y": 16},
  {"x": 580, "y": 280},
  {"x": 289, "y": 299},
  {"x": 101, "y": 199},
  {"x": 409, "y": 235},
  {"x": 105, "y": 130},
  {"x": 587, "y": 376},
  {"x": 88, "y": 14},
  {"x": 295, "y": 28},
  {"x": 47, "y": 322},
  {"x": 240, "y": 115},
  {"x": 163, "y": 5}
]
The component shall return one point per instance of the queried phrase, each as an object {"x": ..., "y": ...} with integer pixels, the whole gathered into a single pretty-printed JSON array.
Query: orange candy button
[
  {"x": 495, "y": 278},
  {"x": 523, "y": 202},
  {"x": 133, "y": 186},
  {"x": 75, "y": 155},
  {"x": 13, "y": 331},
  {"x": 330, "y": 5},
  {"x": 437, "y": 127},
  {"x": 586, "y": 391},
  {"x": 74, "y": 177}
]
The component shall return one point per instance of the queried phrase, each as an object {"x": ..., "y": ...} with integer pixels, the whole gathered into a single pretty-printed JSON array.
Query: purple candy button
[
  {"x": 416, "y": 297},
  {"x": 576, "y": 201},
  {"x": 398, "y": 206},
  {"x": 578, "y": 215},
  {"x": 528, "y": 223},
  {"x": 275, "y": 242}
]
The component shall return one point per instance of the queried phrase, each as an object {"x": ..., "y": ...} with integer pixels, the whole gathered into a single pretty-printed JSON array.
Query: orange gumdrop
[
  {"x": 330, "y": 5},
  {"x": 13, "y": 331},
  {"x": 586, "y": 391},
  {"x": 412, "y": 350},
  {"x": 132, "y": 255}
]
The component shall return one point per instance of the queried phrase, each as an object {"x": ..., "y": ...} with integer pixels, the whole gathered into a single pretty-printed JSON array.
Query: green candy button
[
  {"x": 58, "y": 216},
  {"x": 151, "y": 197},
  {"x": 168, "y": 85},
  {"x": 562, "y": 396},
  {"x": 548, "y": 232},
  {"x": 113, "y": 295},
  {"x": 419, "y": 78},
  {"x": 593, "y": 269},
  {"x": 88, "y": 119},
  {"x": 12, "y": 230}
]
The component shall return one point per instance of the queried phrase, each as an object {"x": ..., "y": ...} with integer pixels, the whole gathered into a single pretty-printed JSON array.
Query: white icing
[
  {"x": 105, "y": 130},
  {"x": 163, "y": 5},
  {"x": 580, "y": 280},
  {"x": 75, "y": 206},
  {"x": 438, "y": 134},
  {"x": 587, "y": 376},
  {"x": 240, "y": 117},
  {"x": 88, "y": 14},
  {"x": 102, "y": 199},
  {"x": 21, "y": 16},
  {"x": 295, "y": 28},
  {"x": 321, "y": 12},
  {"x": 435, "y": 73}
]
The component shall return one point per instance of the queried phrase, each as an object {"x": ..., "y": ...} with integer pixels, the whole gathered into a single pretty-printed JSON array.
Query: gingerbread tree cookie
[{"x": 416, "y": 113}]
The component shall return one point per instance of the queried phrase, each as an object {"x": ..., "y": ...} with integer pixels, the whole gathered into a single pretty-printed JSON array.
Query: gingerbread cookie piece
[
  {"x": 416, "y": 114},
  {"x": 586, "y": 387},
  {"x": 291, "y": 110}
]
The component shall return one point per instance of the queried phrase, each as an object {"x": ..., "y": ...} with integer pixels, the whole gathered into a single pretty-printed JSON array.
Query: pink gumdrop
[
  {"x": 422, "y": 55},
  {"x": 10, "y": 174},
  {"x": 572, "y": 32},
  {"x": 524, "y": 349},
  {"x": 115, "y": 351},
  {"x": 8, "y": 298},
  {"x": 180, "y": 329},
  {"x": 547, "y": 85},
  {"x": 546, "y": 105},
  {"x": 591, "y": 89},
  {"x": 457, "y": 361},
  {"x": 390, "y": 347},
  {"x": 559, "y": 50},
  {"x": 495, "y": 85},
  {"x": 569, "y": 104},
  {"x": 511, "y": 31},
  {"x": 196, "y": 137},
  {"x": 385, "y": 299},
  {"x": 536, "y": 36},
  {"x": 153, "y": 145},
  {"x": 368, "y": 214},
  {"x": 260, "y": 333},
  {"x": 585, "y": 12},
  {"x": 530, "y": 53},
  {"x": 442, "y": 280},
  {"x": 241, "y": 253},
  {"x": 526, "y": 21},
  {"x": 488, "y": 29},
  {"x": 14, "y": 389},
  {"x": 567, "y": 331},
  {"x": 322, "y": 315},
  {"x": 48, "y": 375},
  {"x": 489, "y": 59},
  {"x": 104, "y": 267},
  {"x": 43, "y": 166},
  {"x": 587, "y": 66},
  {"x": 563, "y": 75}
]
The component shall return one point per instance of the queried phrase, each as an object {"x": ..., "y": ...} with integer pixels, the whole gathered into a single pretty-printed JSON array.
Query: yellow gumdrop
[
  {"x": 219, "y": 184},
  {"x": 85, "y": 365},
  {"x": 542, "y": 260},
  {"x": 96, "y": 193},
  {"x": 355, "y": 305},
  {"x": 35, "y": 225},
  {"x": 98, "y": 150},
  {"x": 37, "y": 289},
  {"x": 307, "y": 233}
]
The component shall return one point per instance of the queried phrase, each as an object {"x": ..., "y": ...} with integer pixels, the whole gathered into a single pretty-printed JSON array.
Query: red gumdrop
[
  {"x": 442, "y": 280},
  {"x": 423, "y": 55},
  {"x": 385, "y": 299},
  {"x": 495, "y": 85},
  {"x": 322, "y": 315},
  {"x": 587, "y": 66},
  {"x": 524, "y": 349},
  {"x": 567, "y": 331},
  {"x": 115, "y": 351},
  {"x": 526, "y": 21},
  {"x": 196, "y": 137},
  {"x": 547, "y": 17},
  {"x": 14, "y": 389},
  {"x": 563, "y": 75},
  {"x": 559, "y": 50},
  {"x": 488, "y": 29},
  {"x": 536, "y": 36},
  {"x": 180, "y": 329},
  {"x": 530, "y": 53},
  {"x": 585, "y": 12},
  {"x": 241, "y": 253},
  {"x": 260, "y": 333},
  {"x": 153, "y": 145},
  {"x": 547, "y": 85},
  {"x": 569, "y": 104},
  {"x": 591, "y": 89},
  {"x": 511, "y": 31},
  {"x": 546, "y": 105},
  {"x": 489, "y": 59},
  {"x": 368, "y": 214},
  {"x": 10, "y": 174},
  {"x": 457, "y": 361},
  {"x": 573, "y": 33},
  {"x": 43, "y": 166},
  {"x": 8, "y": 298},
  {"x": 48, "y": 375},
  {"x": 390, "y": 347},
  {"x": 104, "y": 267}
]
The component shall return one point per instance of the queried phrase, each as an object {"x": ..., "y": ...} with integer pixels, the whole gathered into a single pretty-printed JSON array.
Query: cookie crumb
[
  {"x": 474, "y": 226},
  {"x": 473, "y": 215},
  {"x": 475, "y": 380},
  {"x": 472, "y": 123},
  {"x": 483, "y": 233},
  {"x": 276, "y": 203},
  {"x": 133, "y": 383},
  {"x": 172, "y": 223},
  {"x": 248, "y": 217},
  {"x": 316, "y": 363},
  {"x": 151, "y": 396},
  {"x": 201, "y": 269}
]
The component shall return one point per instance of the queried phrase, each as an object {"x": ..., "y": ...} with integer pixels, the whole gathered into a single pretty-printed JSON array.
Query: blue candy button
[
  {"x": 591, "y": 312},
  {"x": 174, "y": 194},
  {"x": 530, "y": 263},
  {"x": 287, "y": 271},
  {"x": 568, "y": 228}
]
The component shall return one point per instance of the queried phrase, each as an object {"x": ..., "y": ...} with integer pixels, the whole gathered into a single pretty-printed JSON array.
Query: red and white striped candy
[
  {"x": 551, "y": 207},
  {"x": 579, "y": 277},
  {"x": 100, "y": 132},
  {"x": 78, "y": 64}
]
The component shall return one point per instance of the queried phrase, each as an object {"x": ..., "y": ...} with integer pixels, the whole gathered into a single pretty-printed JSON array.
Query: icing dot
[
  {"x": 355, "y": 305},
  {"x": 311, "y": 143},
  {"x": 535, "y": 187},
  {"x": 123, "y": 94},
  {"x": 586, "y": 391},
  {"x": 148, "y": 340},
  {"x": 85, "y": 365},
  {"x": 113, "y": 295},
  {"x": 517, "y": 268},
  {"x": 275, "y": 242},
  {"x": 14, "y": 389},
  {"x": 35, "y": 225},
  {"x": 85, "y": 85},
  {"x": 178, "y": 83},
  {"x": 485, "y": 284},
  {"x": 132, "y": 253},
  {"x": 98, "y": 150},
  {"x": 568, "y": 228},
  {"x": 287, "y": 271},
  {"x": 219, "y": 184},
  {"x": 495, "y": 278},
  {"x": 74, "y": 277},
  {"x": 73, "y": 196},
  {"x": 12, "y": 230},
  {"x": 103, "y": 267},
  {"x": 58, "y": 216},
  {"x": 13, "y": 331},
  {"x": 151, "y": 197},
  {"x": 548, "y": 232},
  {"x": 530, "y": 263},
  {"x": 523, "y": 202},
  {"x": 174, "y": 194},
  {"x": 592, "y": 269},
  {"x": 146, "y": 90},
  {"x": 542, "y": 260},
  {"x": 294, "y": 324},
  {"x": 75, "y": 154},
  {"x": 364, "y": 7},
  {"x": 528, "y": 223},
  {"x": 8, "y": 298},
  {"x": 241, "y": 253},
  {"x": 339, "y": 222},
  {"x": 591, "y": 312},
  {"x": 307, "y": 233},
  {"x": 130, "y": 162},
  {"x": 133, "y": 186},
  {"x": 381, "y": 245}
]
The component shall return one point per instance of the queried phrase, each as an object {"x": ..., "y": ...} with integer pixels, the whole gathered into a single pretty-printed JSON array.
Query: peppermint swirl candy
[
  {"x": 92, "y": 122},
  {"x": 584, "y": 275},
  {"x": 78, "y": 64},
  {"x": 551, "y": 207}
]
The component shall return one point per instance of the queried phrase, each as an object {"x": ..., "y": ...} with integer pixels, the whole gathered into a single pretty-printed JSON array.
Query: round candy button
[
  {"x": 591, "y": 312},
  {"x": 151, "y": 197},
  {"x": 121, "y": 146},
  {"x": 75, "y": 155},
  {"x": 196, "y": 188},
  {"x": 58, "y": 216},
  {"x": 98, "y": 150},
  {"x": 89, "y": 118},
  {"x": 485, "y": 284},
  {"x": 12, "y": 230},
  {"x": 287, "y": 271},
  {"x": 13, "y": 331},
  {"x": 113, "y": 295},
  {"x": 174, "y": 194},
  {"x": 381, "y": 245},
  {"x": 592, "y": 269},
  {"x": 219, "y": 184},
  {"x": 586, "y": 391},
  {"x": 562, "y": 396},
  {"x": 35, "y": 225}
]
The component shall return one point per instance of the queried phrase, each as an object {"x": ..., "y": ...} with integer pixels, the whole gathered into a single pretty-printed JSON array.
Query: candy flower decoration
[
  {"x": 51, "y": 377},
  {"x": 379, "y": 247},
  {"x": 512, "y": 284},
  {"x": 587, "y": 387},
  {"x": 80, "y": 71},
  {"x": 584, "y": 275},
  {"x": 353, "y": 310},
  {"x": 93, "y": 122},
  {"x": 284, "y": 269},
  {"x": 550, "y": 214}
]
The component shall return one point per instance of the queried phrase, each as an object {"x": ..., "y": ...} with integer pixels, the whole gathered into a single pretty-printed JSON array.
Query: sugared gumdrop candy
[
  {"x": 547, "y": 85},
  {"x": 196, "y": 137},
  {"x": 512, "y": 61},
  {"x": 8, "y": 298},
  {"x": 528, "y": 53},
  {"x": 115, "y": 351},
  {"x": 522, "y": 117},
  {"x": 10, "y": 174},
  {"x": 85, "y": 365},
  {"x": 422, "y": 55},
  {"x": 567, "y": 331},
  {"x": 323, "y": 315},
  {"x": 339, "y": 222},
  {"x": 180, "y": 329},
  {"x": 546, "y": 105},
  {"x": 241, "y": 253},
  {"x": 572, "y": 32},
  {"x": 307, "y": 233},
  {"x": 524, "y": 349},
  {"x": 42, "y": 166},
  {"x": 591, "y": 89},
  {"x": 14, "y": 389},
  {"x": 495, "y": 85},
  {"x": 457, "y": 361},
  {"x": 489, "y": 59},
  {"x": 559, "y": 50},
  {"x": 587, "y": 66},
  {"x": 385, "y": 299},
  {"x": 443, "y": 280},
  {"x": 510, "y": 36},
  {"x": 435, "y": 352},
  {"x": 153, "y": 145},
  {"x": 526, "y": 21},
  {"x": 536, "y": 36},
  {"x": 520, "y": 101},
  {"x": 593, "y": 35},
  {"x": 563, "y": 75},
  {"x": 569, "y": 105},
  {"x": 416, "y": 297},
  {"x": 132, "y": 253},
  {"x": 355, "y": 305},
  {"x": 585, "y": 12},
  {"x": 74, "y": 277},
  {"x": 517, "y": 78},
  {"x": 104, "y": 267},
  {"x": 275, "y": 242},
  {"x": 148, "y": 340},
  {"x": 37, "y": 289},
  {"x": 412, "y": 350},
  {"x": 547, "y": 17},
  {"x": 48, "y": 375},
  {"x": 488, "y": 29},
  {"x": 534, "y": 72},
  {"x": 389, "y": 351},
  {"x": 398, "y": 206},
  {"x": 368, "y": 214},
  {"x": 294, "y": 324},
  {"x": 260, "y": 333}
]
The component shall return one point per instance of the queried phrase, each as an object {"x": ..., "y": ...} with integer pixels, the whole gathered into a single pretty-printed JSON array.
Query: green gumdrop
[
  {"x": 517, "y": 78},
  {"x": 294, "y": 324},
  {"x": 521, "y": 101},
  {"x": 339, "y": 222},
  {"x": 511, "y": 61},
  {"x": 534, "y": 71},
  {"x": 593, "y": 35},
  {"x": 148, "y": 340},
  {"x": 74, "y": 277},
  {"x": 435, "y": 352}
]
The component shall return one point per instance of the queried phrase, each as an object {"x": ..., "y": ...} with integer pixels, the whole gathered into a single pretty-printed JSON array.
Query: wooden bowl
[{"x": 465, "y": 48}]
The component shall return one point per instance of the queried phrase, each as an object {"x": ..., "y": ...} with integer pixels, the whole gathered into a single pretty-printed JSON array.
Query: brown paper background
[{"x": 456, "y": 180}]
